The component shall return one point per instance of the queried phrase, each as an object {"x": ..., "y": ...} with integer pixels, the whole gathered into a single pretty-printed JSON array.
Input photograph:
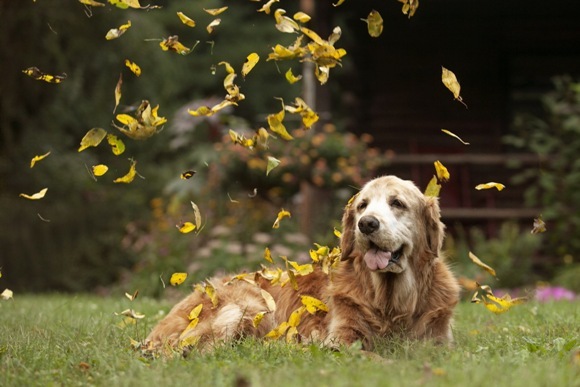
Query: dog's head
[{"x": 390, "y": 223}]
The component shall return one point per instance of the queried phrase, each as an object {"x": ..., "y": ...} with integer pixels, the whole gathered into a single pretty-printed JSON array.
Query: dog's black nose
[{"x": 368, "y": 224}]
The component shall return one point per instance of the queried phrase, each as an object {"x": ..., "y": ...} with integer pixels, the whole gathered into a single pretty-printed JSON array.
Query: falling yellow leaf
[
  {"x": 124, "y": 4},
  {"x": 304, "y": 269},
  {"x": 215, "y": 11},
  {"x": 35, "y": 73},
  {"x": 442, "y": 172},
  {"x": 270, "y": 303},
  {"x": 450, "y": 81},
  {"x": 186, "y": 20},
  {"x": 196, "y": 214},
  {"x": 374, "y": 23},
  {"x": 92, "y": 138},
  {"x": 177, "y": 278},
  {"x": 291, "y": 78},
  {"x": 268, "y": 255},
  {"x": 339, "y": 2},
  {"x": 92, "y": 3},
  {"x": 284, "y": 23},
  {"x": 134, "y": 67},
  {"x": 258, "y": 319},
  {"x": 266, "y": 7},
  {"x": 118, "y": 92},
  {"x": 115, "y": 33},
  {"x": 212, "y": 294},
  {"x": 251, "y": 61},
  {"x": 309, "y": 117},
  {"x": 128, "y": 178},
  {"x": 7, "y": 294},
  {"x": 145, "y": 124},
  {"x": 409, "y": 7},
  {"x": 117, "y": 145},
  {"x": 337, "y": 233},
  {"x": 211, "y": 26},
  {"x": 187, "y": 175},
  {"x": 100, "y": 170},
  {"x": 131, "y": 297},
  {"x": 36, "y": 196},
  {"x": 433, "y": 188},
  {"x": 195, "y": 312},
  {"x": 276, "y": 125},
  {"x": 186, "y": 227},
  {"x": 272, "y": 163},
  {"x": 489, "y": 185},
  {"x": 130, "y": 313},
  {"x": 479, "y": 263},
  {"x": 301, "y": 17},
  {"x": 493, "y": 303},
  {"x": 281, "y": 215},
  {"x": 35, "y": 159},
  {"x": 313, "y": 304},
  {"x": 454, "y": 135},
  {"x": 172, "y": 44},
  {"x": 539, "y": 225}
]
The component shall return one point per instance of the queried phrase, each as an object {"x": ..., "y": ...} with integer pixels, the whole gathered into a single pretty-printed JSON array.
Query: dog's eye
[
  {"x": 362, "y": 205},
  {"x": 398, "y": 204}
]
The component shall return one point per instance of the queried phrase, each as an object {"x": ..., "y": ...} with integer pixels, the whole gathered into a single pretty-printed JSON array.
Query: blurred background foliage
[{"x": 88, "y": 235}]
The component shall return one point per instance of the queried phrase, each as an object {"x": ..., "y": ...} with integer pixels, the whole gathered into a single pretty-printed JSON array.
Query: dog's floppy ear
[
  {"x": 435, "y": 229},
  {"x": 347, "y": 238}
]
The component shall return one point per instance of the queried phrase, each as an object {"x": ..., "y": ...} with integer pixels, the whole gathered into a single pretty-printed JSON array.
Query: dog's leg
[{"x": 347, "y": 325}]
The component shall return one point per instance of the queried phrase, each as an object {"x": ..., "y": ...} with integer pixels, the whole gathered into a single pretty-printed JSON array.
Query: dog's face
[{"x": 390, "y": 223}]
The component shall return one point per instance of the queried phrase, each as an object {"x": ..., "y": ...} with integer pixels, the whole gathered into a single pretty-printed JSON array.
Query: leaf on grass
[
  {"x": 128, "y": 178},
  {"x": 454, "y": 135},
  {"x": 35, "y": 73},
  {"x": 291, "y": 78},
  {"x": 211, "y": 26},
  {"x": 100, "y": 170},
  {"x": 442, "y": 172},
  {"x": 270, "y": 303},
  {"x": 281, "y": 215},
  {"x": 134, "y": 67},
  {"x": 187, "y": 175},
  {"x": 7, "y": 294},
  {"x": 249, "y": 64},
  {"x": 186, "y": 20},
  {"x": 433, "y": 188},
  {"x": 117, "y": 145},
  {"x": 479, "y": 263},
  {"x": 272, "y": 163},
  {"x": 489, "y": 185},
  {"x": 313, "y": 304},
  {"x": 277, "y": 332},
  {"x": 215, "y": 11},
  {"x": 374, "y": 23},
  {"x": 36, "y": 196},
  {"x": 450, "y": 81},
  {"x": 115, "y": 33},
  {"x": 118, "y": 92},
  {"x": 131, "y": 297},
  {"x": 177, "y": 278},
  {"x": 92, "y": 138},
  {"x": 539, "y": 225},
  {"x": 37, "y": 158},
  {"x": 186, "y": 227}
]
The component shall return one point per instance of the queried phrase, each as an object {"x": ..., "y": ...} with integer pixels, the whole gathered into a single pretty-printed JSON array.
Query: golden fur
[{"x": 391, "y": 280}]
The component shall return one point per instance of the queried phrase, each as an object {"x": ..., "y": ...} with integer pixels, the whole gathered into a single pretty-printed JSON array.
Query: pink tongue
[{"x": 377, "y": 259}]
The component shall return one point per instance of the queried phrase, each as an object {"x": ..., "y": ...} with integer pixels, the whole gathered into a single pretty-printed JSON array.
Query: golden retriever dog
[{"x": 389, "y": 280}]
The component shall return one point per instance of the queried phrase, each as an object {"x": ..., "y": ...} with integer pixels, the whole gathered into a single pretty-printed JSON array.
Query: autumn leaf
[
  {"x": 215, "y": 11},
  {"x": 124, "y": 4},
  {"x": 272, "y": 163},
  {"x": 450, "y": 81},
  {"x": 187, "y": 175},
  {"x": 539, "y": 226},
  {"x": 196, "y": 214},
  {"x": 291, "y": 78},
  {"x": 115, "y": 33},
  {"x": 442, "y": 172},
  {"x": 7, "y": 294},
  {"x": 92, "y": 138},
  {"x": 313, "y": 304},
  {"x": 479, "y": 263},
  {"x": 258, "y": 319},
  {"x": 133, "y": 296},
  {"x": 301, "y": 17},
  {"x": 409, "y": 7},
  {"x": 493, "y": 303},
  {"x": 284, "y": 23},
  {"x": 177, "y": 278},
  {"x": 212, "y": 293},
  {"x": 339, "y": 2},
  {"x": 186, "y": 227},
  {"x": 211, "y": 26},
  {"x": 186, "y": 20},
  {"x": 131, "y": 314},
  {"x": 92, "y": 3},
  {"x": 249, "y": 64},
  {"x": 277, "y": 332},
  {"x": 145, "y": 123},
  {"x": 489, "y": 185},
  {"x": 35, "y": 73},
  {"x": 270, "y": 303},
  {"x": 117, "y": 145},
  {"x": 281, "y": 215},
  {"x": 36, "y": 196},
  {"x": 309, "y": 117},
  {"x": 266, "y": 7},
  {"x": 134, "y": 67},
  {"x": 454, "y": 135},
  {"x": 195, "y": 312},
  {"x": 374, "y": 23},
  {"x": 37, "y": 158},
  {"x": 304, "y": 269},
  {"x": 433, "y": 188},
  {"x": 337, "y": 233},
  {"x": 118, "y": 92},
  {"x": 172, "y": 44},
  {"x": 128, "y": 178},
  {"x": 100, "y": 169},
  {"x": 268, "y": 255}
]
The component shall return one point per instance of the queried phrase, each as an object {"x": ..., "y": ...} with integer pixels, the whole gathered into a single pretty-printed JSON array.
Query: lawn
[{"x": 77, "y": 340}]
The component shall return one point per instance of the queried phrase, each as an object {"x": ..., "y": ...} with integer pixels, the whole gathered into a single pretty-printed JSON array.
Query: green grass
[{"x": 75, "y": 340}]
